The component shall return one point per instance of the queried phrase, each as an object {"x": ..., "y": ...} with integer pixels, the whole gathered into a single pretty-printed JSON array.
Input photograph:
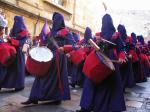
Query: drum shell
[
  {"x": 7, "y": 54},
  {"x": 37, "y": 68},
  {"x": 78, "y": 56},
  {"x": 94, "y": 69}
]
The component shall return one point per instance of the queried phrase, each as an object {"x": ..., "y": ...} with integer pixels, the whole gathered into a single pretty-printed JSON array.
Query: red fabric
[
  {"x": 7, "y": 54},
  {"x": 68, "y": 48},
  {"x": 94, "y": 69},
  {"x": 77, "y": 56},
  {"x": 115, "y": 35},
  {"x": 63, "y": 32},
  {"x": 144, "y": 58},
  {"x": 80, "y": 42},
  {"x": 97, "y": 34},
  {"x": 121, "y": 55},
  {"x": 129, "y": 39},
  {"x": 134, "y": 55},
  {"x": 23, "y": 34},
  {"x": 34, "y": 67},
  {"x": 14, "y": 42}
]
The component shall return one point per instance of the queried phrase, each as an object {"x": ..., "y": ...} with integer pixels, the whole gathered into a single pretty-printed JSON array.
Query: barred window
[{"x": 59, "y": 2}]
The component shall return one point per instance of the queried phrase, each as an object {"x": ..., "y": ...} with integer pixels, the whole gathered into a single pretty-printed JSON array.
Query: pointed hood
[{"x": 108, "y": 28}]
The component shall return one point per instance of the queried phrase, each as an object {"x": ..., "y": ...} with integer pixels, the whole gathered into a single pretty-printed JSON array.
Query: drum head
[
  {"x": 105, "y": 60},
  {"x": 41, "y": 54}
]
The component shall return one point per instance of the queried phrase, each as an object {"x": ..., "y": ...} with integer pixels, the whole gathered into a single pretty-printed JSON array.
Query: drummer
[
  {"x": 106, "y": 96},
  {"x": 15, "y": 76},
  {"x": 77, "y": 77},
  {"x": 54, "y": 85},
  {"x": 124, "y": 43},
  {"x": 3, "y": 70}
]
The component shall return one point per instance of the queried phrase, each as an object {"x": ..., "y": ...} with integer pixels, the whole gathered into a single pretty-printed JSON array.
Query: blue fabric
[
  {"x": 76, "y": 37},
  {"x": 87, "y": 34},
  {"x": 108, "y": 28},
  {"x": 122, "y": 30},
  {"x": 3, "y": 72},
  {"x": 18, "y": 25},
  {"x": 133, "y": 35},
  {"x": 15, "y": 76},
  {"x": 104, "y": 97},
  {"x": 46, "y": 87},
  {"x": 149, "y": 45},
  {"x": 43, "y": 32},
  {"x": 140, "y": 39},
  {"x": 58, "y": 23},
  {"x": 77, "y": 76},
  {"x": 108, "y": 95}
]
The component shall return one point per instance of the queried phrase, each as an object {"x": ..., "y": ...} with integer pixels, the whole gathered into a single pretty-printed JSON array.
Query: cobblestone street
[{"x": 137, "y": 100}]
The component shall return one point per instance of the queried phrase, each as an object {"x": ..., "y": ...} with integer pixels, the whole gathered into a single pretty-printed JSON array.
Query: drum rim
[
  {"x": 41, "y": 47},
  {"x": 111, "y": 65}
]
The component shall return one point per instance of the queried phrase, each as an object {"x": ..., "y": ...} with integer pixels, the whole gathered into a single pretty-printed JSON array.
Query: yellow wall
[{"x": 78, "y": 13}]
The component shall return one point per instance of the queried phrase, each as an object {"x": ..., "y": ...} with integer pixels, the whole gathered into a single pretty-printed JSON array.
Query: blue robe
[
  {"x": 106, "y": 96},
  {"x": 15, "y": 76},
  {"x": 3, "y": 70},
  {"x": 126, "y": 69},
  {"x": 47, "y": 87}
]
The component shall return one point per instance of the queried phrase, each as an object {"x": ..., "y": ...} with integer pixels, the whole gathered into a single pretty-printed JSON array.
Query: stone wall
[{"x": 78, "y": 13}]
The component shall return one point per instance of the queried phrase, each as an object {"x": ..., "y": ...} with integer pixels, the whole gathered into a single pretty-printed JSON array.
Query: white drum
[{"x": 39, "y": 61}]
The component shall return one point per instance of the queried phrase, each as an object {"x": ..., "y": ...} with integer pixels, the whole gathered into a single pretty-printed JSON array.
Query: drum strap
[{"x": 58, "y": 72}]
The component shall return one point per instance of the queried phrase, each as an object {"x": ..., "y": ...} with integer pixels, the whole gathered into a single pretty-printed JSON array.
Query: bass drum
[
  {"x": 7, "y": 54},
  {"x": 97, "y": 67},
  {"x": 38, "y": 61}
]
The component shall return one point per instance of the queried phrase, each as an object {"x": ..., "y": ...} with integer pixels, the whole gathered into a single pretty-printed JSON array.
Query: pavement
[{"x": 137, "y": 100}]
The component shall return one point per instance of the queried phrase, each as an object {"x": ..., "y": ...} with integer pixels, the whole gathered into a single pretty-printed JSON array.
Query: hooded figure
[
  {"x": 140, "y": 39},
  {"x": 45, "y": 30},
  {"x": 77, "y": 77},
  {"x": 76, "y": 37},
  {"x": 106, "y": 96},
  {"x": 108, "y": 28},
  {"x": 124, "y": 46},
  {"x": 133, "y": 35},
  {"x": 18, "y": 26},
  {"x": 3, "y": 69},
  {"x": 54, "y": 84},
  {"x": 149, "y": 45},
  {"x": 15, "y": 76}
]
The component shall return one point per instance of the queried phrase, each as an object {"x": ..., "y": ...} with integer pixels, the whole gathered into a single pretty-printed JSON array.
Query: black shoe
[
  {"x": 29, "y": 102},
  {"x": 83, "y": 110},
  {"x": 57, "y": 102},
  {"x": 19, "y": 89}
]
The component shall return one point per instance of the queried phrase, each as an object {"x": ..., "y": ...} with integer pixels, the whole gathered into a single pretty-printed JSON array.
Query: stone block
[{"x": 135, "y": 104}]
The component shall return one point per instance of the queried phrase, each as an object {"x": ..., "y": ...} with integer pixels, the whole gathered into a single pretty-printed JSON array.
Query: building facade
[{"x": 77, "y": 13}]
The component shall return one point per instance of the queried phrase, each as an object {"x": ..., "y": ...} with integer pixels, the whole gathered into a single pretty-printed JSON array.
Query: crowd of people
[{"x": 119, "y": 62}]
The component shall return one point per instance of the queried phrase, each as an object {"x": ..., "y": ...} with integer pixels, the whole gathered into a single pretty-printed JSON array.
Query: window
[{"x": 59, "y": 2}]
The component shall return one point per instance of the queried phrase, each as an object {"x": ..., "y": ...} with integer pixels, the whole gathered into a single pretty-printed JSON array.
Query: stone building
[{"x": 78, "y": 14}]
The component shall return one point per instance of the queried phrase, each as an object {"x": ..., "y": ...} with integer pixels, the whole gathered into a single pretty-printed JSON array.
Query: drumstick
[
  {"x": 101, "y": 53},
  {"x": 53, "y": 41},
  {"x": 114, "y": 61},
  {"x": 94, "y": 45}
]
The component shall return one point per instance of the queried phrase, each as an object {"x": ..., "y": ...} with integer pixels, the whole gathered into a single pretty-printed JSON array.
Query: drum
[
  {"x": 38, "y": 61},
  {"x": 77, "y": 57},
  {"x": 7, "y": 54},
  {"x": 97, "y": 67}
]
